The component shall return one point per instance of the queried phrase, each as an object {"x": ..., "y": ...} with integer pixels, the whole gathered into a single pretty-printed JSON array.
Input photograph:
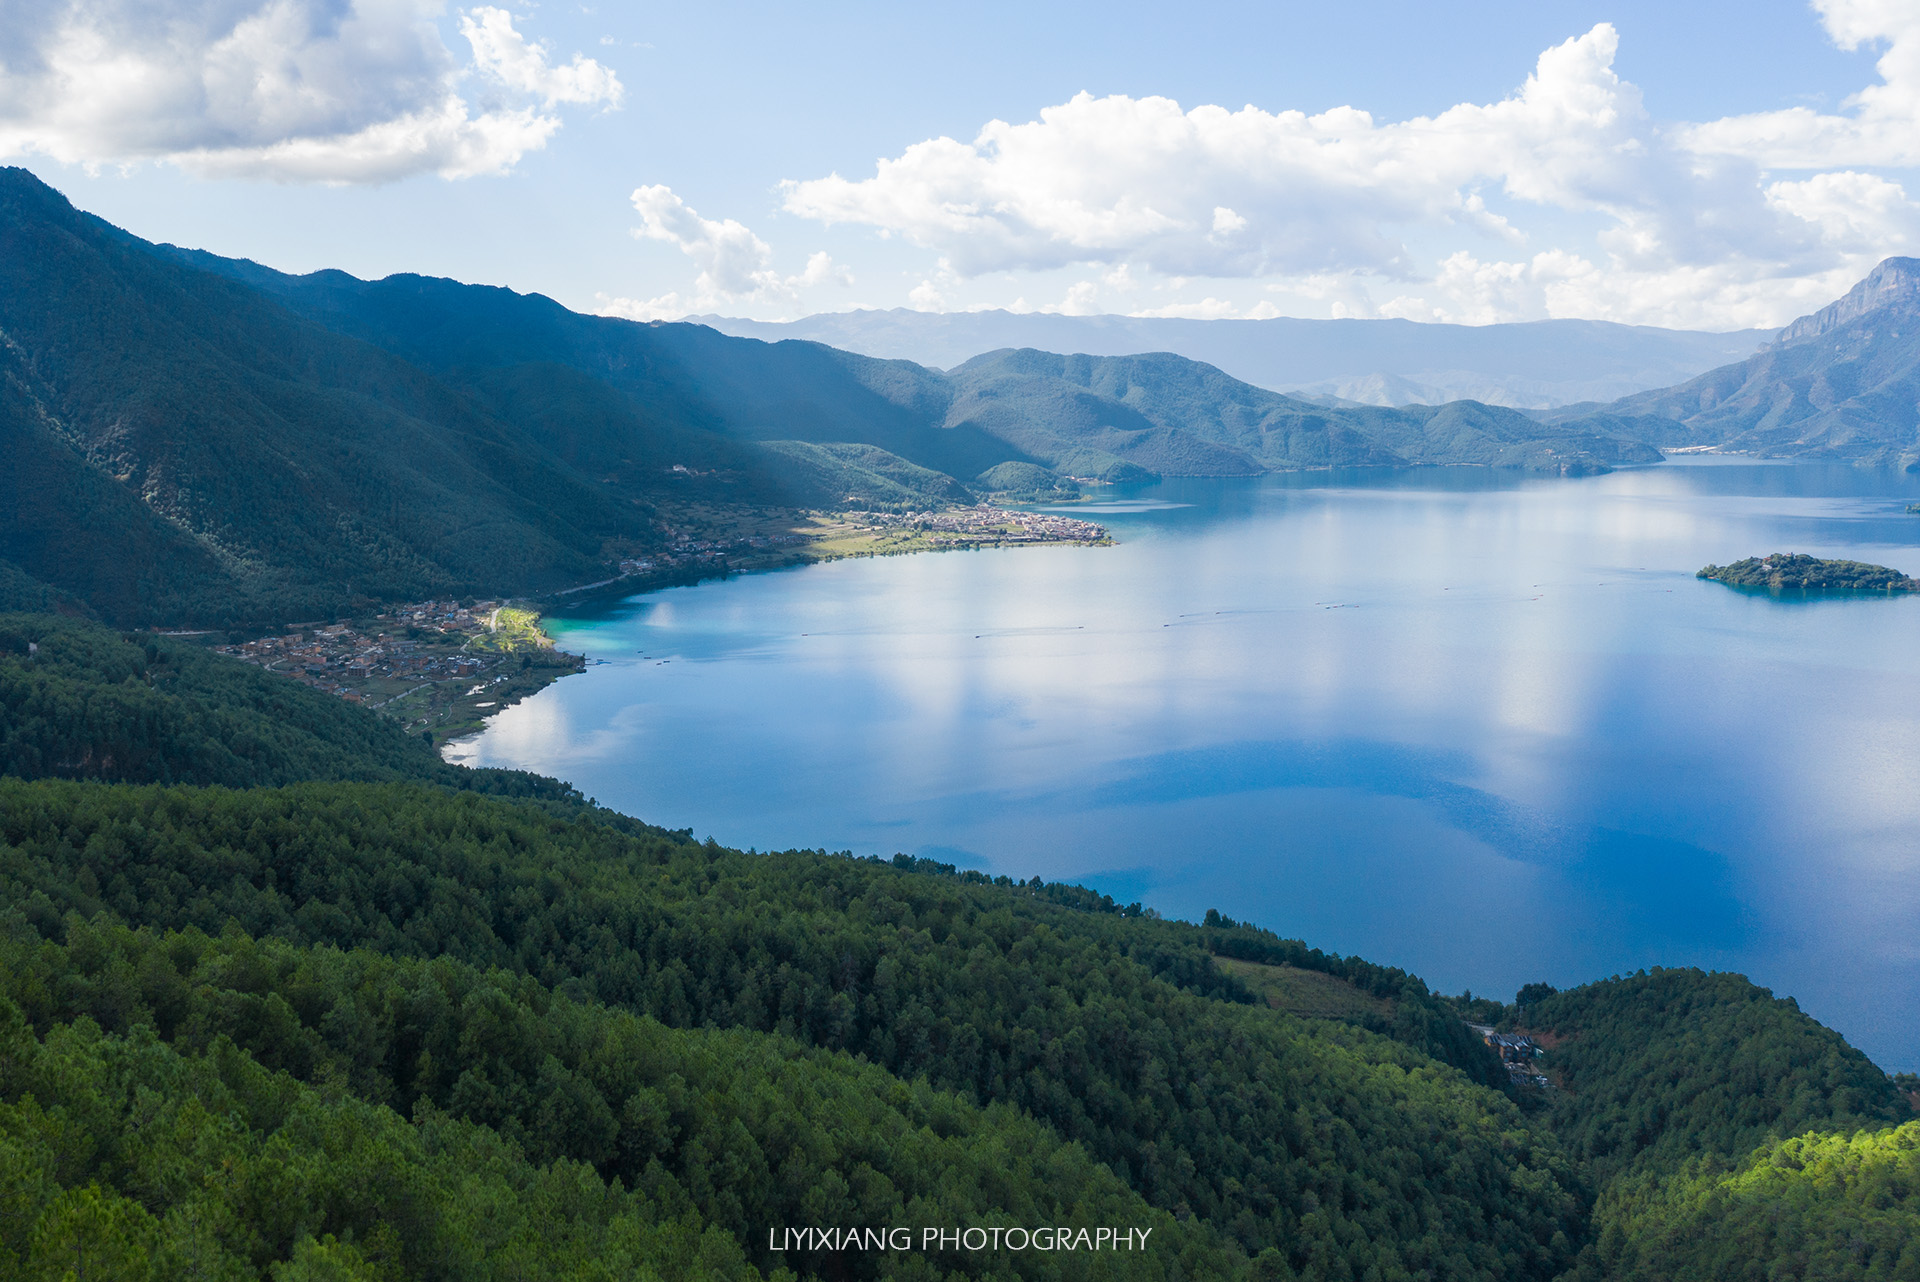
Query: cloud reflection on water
[{"x": 1529, "y": 744}]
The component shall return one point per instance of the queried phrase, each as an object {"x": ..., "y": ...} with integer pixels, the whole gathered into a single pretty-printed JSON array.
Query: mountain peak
[{"x": 1894, "y": 283}]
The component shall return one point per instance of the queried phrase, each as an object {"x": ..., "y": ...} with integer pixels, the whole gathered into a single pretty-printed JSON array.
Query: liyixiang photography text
[{"x": 996, "y": 1237}]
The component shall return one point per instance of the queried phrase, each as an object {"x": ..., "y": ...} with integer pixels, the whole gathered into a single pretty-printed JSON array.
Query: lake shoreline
[{"x": 816, "y": 538}]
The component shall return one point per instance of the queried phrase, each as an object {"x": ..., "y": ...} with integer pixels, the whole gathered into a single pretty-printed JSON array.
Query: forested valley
[{"x": 283, "y": 996}]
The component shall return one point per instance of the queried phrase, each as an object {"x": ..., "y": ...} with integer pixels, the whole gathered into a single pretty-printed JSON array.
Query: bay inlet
[{"x": 1484, "y": 726}]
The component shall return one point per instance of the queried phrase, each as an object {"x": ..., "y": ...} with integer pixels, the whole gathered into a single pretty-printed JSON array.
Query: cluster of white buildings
[{"x": 984, "y": 523}]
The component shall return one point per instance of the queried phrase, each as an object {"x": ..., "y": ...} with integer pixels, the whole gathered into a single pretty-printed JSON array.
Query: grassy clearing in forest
[{"x": 1308, "y": 993}]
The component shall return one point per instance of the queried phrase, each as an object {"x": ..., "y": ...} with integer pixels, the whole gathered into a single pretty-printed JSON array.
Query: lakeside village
[
  {"x": 1517, "y": 1053},
  {"x": 439, "y": 667},
  {"x": 442, "y": 667},
  {"x": 986, "y": 526}
]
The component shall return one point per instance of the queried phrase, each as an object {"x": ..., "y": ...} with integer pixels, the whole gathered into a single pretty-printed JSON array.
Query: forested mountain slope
[
  {"x": 984, "y": 988},
  {"x": 81, "y": 701},
  {"x": 1666, "y": 1066},
  {"x": 539, "y": 1114},
  {"x": 1727, "y": 1134},
  {"x": 1158, "y": 414},
  {"x": 177, "y": 444},
  {"x": 1118, "y": 417},
  {"x": 1829, "y": 1204},
  {"x": 679, "y": 386}
]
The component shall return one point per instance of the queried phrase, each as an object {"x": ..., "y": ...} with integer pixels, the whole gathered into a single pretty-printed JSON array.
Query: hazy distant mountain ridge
[
  {"x": 1114, "y": 418},
  {"x": 1529, "y": 365}
]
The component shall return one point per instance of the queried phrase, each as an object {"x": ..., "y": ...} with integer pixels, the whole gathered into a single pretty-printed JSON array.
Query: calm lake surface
[{"x": 1486, "y": 727}]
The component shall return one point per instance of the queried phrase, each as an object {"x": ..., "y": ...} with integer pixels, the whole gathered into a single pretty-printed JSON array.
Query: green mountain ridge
[
  {"x": 1076, "y": 413},
  {"x": 265, "y": 446},
  {"x": 179, "y": 446},
  {"x": 1166, "y": 415}
]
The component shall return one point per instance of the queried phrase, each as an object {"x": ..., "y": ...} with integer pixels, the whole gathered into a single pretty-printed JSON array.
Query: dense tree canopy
[
  {"x": 1820, "y": 1205},
  {"x": 1663, "y": 1066},
  {"x": 729, "y": 1130},
  {"x": 1348, "y": 1146}
]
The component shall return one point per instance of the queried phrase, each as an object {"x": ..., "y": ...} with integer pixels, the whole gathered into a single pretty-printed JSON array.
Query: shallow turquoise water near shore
[{"x": 1483, "y": 726}]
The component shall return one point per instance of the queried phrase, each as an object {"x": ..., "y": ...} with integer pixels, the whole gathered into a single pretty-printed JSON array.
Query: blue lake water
[{"x": 1486, "y": 727}]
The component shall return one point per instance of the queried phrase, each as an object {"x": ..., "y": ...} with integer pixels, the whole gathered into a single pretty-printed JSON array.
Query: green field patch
[{"x": 1308, "y": 993}]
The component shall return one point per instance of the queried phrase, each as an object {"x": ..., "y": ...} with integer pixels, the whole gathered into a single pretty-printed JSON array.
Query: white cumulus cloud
[
  {"x": 735, "y": 265},
  {"x": 1243, "y": 193},
  {"x": 1881, "y": 126},
  {"x": 304, "y": 90},
  {"x": 732, "y": 260},
  {"x": 1855, "y": 213},
  {"x": 1566, "y": 197},
  {"x": 505, "y": 54}
]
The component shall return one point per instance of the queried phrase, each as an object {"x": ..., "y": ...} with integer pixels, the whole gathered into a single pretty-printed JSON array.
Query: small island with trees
[{"x": 1790, "y": 571}]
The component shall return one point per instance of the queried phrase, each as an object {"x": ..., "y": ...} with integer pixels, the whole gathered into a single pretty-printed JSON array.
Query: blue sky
[{"x": 1707, "y": 165}]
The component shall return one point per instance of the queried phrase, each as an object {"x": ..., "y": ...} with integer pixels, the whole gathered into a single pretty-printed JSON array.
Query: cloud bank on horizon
[{"x": 296, "y": 90}]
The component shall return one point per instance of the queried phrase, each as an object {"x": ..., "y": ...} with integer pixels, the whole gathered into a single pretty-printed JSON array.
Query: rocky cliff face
[{"x": 1895, "y": 283}]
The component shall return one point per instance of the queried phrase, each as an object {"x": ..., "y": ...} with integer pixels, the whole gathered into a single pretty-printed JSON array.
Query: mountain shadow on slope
[
  {"x": 180, "y": 445},
  {"x": 1117, "y": 418},
  {"x": 683, "y": 378}
]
